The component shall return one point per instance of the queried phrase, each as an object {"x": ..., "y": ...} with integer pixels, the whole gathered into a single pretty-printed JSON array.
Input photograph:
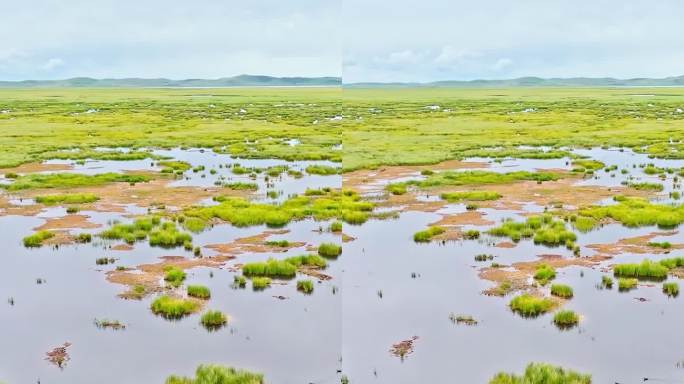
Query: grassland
[
  {"x": 249, "y": 122},
  {"x": 471, "y": 122}
]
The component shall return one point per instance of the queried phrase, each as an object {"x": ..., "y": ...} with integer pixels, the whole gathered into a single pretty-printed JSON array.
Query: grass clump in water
[
  {"x": 638, "y": 212},
  {"x": 198, "y": 291},
  {"x": 213, "y": 320},
  {"x": 470, "y": 196},
  {"x": 174, "y": 275},
  {"x": 561, "y": 290},
  {"x": 241, "y": 186},
  {"x": 70, "y": 180},
  {"x": 336, "y": 227},
  {"x": 310, "y": 260},
  {"x": 426, "y": 235},
  {"x": 671, "y": 289},
  {"x": 167, "y": 236},
  {"x": 269, "y": 268},
  {"x": 544, "y": 229},
  {"x": 216, "y": 374},
  {"x": 67, "y": 198},
  {"x": 322, "y": 170},
  {"x": 626, "y": 284},
  {"x": 36, "y": 240},
  {"x": 172, "y": 307},
  {"x": 606, "y": 282},
  {"x": 330, "y": 250},
  {"x": 305, "y": 286},
  {"x": 450, "y": 178},
  {"x": 174, "y": 166},
  {"x": 541, "y": 373},
  {"x": 260, "y": 283},
  {"x": 646, "y": 270},
  {"x": 530, "y": 306},
  {"x": 544, "y": 274},
  {"x": 334, "y": 204},
  {"x": 646, "y": 186},
  {"x": 565, "y": 319}
]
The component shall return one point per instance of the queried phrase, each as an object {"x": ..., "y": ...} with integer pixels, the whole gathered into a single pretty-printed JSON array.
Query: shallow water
[{"x": 384, "y": 289}]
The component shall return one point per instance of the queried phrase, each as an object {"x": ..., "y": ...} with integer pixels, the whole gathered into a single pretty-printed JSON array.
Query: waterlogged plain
[{"x": 326, "y": 236}]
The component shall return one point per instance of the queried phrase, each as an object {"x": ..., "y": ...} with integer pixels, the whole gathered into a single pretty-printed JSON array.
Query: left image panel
[{"x": 171, "y": 202}]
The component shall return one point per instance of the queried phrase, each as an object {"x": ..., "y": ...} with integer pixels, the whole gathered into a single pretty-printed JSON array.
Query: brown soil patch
[
  {"x": 373, "y": 180},
  {"x": 150, "y": 276},
  {"x": 253, "y": 244},
  {"x": 403, "y": 348},
  {"x": 66, "y": 222},
  {"x": 346, "y": 238},
  {"x": 514, "y": 195},
  {"x": 37, "y": 167},
  {"x": 59, "y": 355},
  {"x": 519, "y": 274},
  {"x": 465, "y": 218},
  {"x": 637, "y": 244},
  {"x": 122, "y": 247},
  {"x": 505, "y": 244}
]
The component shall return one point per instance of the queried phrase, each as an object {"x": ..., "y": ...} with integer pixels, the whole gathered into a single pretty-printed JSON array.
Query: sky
[
  {"x": 177, "y": 39},
  {"x": 361, "y": 40}
]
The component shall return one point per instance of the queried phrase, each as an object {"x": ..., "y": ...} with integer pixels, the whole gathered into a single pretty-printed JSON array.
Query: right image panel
[{"x": 523, "y": 165}]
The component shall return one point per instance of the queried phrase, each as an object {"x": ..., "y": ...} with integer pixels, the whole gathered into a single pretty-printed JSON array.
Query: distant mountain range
[
  {"x": 235, "y": 81},
  {"x": 270, "y": 81},
  {"x": 539, "y": 82}
]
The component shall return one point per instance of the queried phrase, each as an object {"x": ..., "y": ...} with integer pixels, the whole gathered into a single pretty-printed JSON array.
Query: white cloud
[
  {"x": 53, "y": 63},
  {"x": 451, "y": 55},
  {"x": 502, "y": 63}
]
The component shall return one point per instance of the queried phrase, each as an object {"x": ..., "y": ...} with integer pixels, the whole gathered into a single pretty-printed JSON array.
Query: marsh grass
[
  {"x": 671, "y": 289},
  {"x": 172, "y": 307},
  {"x": 309, "y": 260},
  {"x": 260, "y": 283},
  {"x": 329, "y": 250},
  {"x": 109, "y": 324},
  {"x": 269, "y": 268},
  {"x": 646, "y": 270},
  {"x": 638, "y": 212},
  {"x": 544, "y": 273},
  {"x": 322, "y": 170},
  {"x": 541, "y": 373},
  {"x": 70, "y": 198},
  {"x": 606, "y": 282},
  {"x": 305, "y": 286},
  {"x": 161, "y": 234},
  {"x": 36, "y": 240},
  {"x": 425, "y": 236},
  {"x": 239, "y": 281},
  {"x": 646, "y": 186},
  {"x": 198, "y": 291},
  {"x": 469, "y": 196},
  {"x": 453, "y": 178},
  {"x": 336, "y": 227},
  {"x": 174, "y": 276},
  {"x": 70, "y": 180},
  {"x": 277, "y": 243},
  {"x": 530, "y": 306},
  {"x": 335, "y": 204},
  {"x": 544, "y": 229},
  {"x": 213, "y": 320},
  {"x": 626, "y": 284},
  {"x": 562, "y": 290},
  {"x": 216, "y": 374},
  {"x": 242, "y": 186},
  {"x": 565, "y": 319}
]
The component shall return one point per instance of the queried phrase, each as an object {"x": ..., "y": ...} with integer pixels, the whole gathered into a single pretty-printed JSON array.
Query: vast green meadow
[
  {"x": 428, "y": 125},
  {"x": 332, "y": 235}
]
